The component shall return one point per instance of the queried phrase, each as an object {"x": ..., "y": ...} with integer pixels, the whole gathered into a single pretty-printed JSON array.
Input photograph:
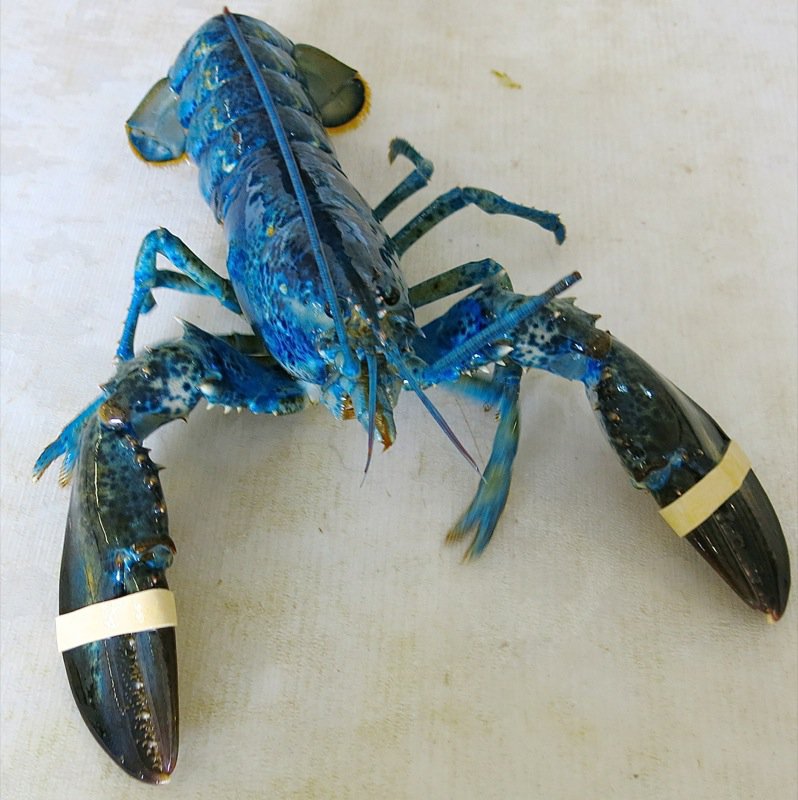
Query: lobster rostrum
[{"x": 316, "y": 276}]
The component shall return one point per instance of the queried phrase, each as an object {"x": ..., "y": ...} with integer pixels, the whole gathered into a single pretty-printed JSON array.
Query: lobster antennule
[
  {"x": 371, "y": 363},
  {"x": 351, "y": 366}
]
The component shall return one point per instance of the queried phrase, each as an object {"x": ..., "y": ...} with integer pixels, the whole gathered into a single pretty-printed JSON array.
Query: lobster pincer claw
[
  {"x": 667, "y": 443},
  {"x": 743, "y": 541},
  {"x": 117, "y": 615},
  {"x": 672, "y": 448},
  {"x": 116, "y": 550},
  {"x": 703, "y": 483}
]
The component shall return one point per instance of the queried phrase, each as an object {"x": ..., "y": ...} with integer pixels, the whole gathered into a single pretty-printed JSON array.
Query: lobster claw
[
  {"x": 116, "y": 546},
  {"x": 125, "y": 688},
  {"x": 743, "y": 541},
  {"x": 702, "y": 482}
]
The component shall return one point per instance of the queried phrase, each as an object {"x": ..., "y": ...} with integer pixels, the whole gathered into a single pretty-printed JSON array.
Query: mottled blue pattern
[
  {"x": 245, "y": 181},
  {"x": 117, "y": 540},
  {"x": 665, "y": 440}
]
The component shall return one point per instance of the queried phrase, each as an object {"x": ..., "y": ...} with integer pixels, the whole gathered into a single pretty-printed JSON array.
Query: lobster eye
[
  {"x": 342, "y": 304},
  {"x": 391, "y": 295}
]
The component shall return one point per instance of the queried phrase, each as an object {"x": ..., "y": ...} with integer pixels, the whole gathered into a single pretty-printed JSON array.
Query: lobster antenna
[
  {"x": 351, "y": 367},
  {"x": 465, "y": 350},
  {"x": 498, "y": 328},
  {"x": 395, "y": 358}
]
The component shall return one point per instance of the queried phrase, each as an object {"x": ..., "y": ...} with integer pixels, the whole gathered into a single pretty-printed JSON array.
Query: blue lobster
[{"x": 316, "y": 276}]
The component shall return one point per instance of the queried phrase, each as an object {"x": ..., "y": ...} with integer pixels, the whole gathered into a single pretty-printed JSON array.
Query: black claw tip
[
  {"x": 126, "y": 690},
  {"x": 744, "y": 543}
]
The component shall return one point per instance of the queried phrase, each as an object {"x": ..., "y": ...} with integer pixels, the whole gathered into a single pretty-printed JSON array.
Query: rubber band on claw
[
  {"x": 133, "y": 613},
  {"x": 709, "y": 494}
]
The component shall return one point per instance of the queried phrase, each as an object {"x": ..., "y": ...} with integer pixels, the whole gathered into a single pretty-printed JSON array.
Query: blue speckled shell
[{"x": 243, "y": 178}]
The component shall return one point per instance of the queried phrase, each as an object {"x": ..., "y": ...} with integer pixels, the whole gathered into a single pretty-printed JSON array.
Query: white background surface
[{"x": 330, "y": 645}]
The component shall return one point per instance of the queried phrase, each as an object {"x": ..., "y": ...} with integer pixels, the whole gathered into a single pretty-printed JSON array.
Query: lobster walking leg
[
  {"x": 416, "y": 180},
  {"x": 487, "y": 201},
  {"x": 465, "y": 276},
  {"x": 501, "y": 392},
  {"x": 484, "y": 510},
  {"x": 117, "y": 543},
  {"x": 447, "y": 204},
  {"x": 66, "y": 445},
  {"x": 195, "y": 277}
]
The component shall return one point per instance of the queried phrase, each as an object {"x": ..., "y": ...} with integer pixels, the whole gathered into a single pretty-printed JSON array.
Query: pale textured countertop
[{"x": 330, "y": 645}]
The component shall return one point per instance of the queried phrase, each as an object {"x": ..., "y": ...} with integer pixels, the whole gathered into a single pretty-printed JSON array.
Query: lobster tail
[{"x": 153, "y": 130}]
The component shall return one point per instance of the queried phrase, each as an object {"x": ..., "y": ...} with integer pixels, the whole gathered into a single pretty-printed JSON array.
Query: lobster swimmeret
[{"x": 315, "y": 274}]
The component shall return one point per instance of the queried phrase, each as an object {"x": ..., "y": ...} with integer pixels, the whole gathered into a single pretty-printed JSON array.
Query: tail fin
[
  {"x": 341, "y": 95},
  {"x": 153, "y": 130}
]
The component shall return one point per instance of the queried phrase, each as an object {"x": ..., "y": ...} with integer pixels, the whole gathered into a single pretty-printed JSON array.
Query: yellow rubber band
[
  {"x": 699, "y": 503},
  {"x": 133, "y": 613}
]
